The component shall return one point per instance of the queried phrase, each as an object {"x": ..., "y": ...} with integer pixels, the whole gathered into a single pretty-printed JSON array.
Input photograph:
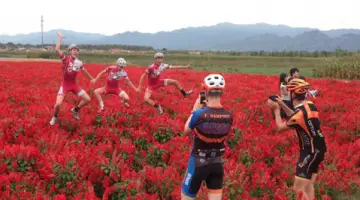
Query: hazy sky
[{"x": 116, "y": 16}]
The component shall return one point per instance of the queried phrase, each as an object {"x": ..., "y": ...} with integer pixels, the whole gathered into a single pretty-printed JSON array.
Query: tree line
[{"x": 106, "y": 47}]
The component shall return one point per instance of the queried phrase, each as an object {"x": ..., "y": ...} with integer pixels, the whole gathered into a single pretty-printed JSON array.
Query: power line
[{"x": 42, "y": 31}]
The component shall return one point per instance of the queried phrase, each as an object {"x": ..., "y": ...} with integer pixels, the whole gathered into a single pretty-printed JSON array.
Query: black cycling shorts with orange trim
[
  {"x": 199, "y": 169},
  {"x": 309, "y": 164}
]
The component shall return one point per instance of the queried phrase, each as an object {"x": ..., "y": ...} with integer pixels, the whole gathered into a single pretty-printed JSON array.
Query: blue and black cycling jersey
[{"x": 211, "y": 126}]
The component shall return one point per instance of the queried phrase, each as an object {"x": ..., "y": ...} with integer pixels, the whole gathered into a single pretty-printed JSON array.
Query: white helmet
[
  {"x": 121, "y": 62},
  {"x": 73, "y": 46},
  {"x": 159, "y": 55},
  {"x": 214, "y": 81}
]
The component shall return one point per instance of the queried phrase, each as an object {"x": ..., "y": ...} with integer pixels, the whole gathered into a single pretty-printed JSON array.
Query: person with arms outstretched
[
  {"x": 71, "y": 65},
  {"x": 211, "y": 124},
  {"x": 305, "y": 120},
  {"x": 115, "y": 75},
  {"x": 155, "y": 81}
]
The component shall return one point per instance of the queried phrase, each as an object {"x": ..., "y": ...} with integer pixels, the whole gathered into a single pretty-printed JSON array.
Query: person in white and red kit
[
  {"x": 155, "y": 81},
  {"x": 116, "y": 73},
  {"x": 71, "y": 65}
]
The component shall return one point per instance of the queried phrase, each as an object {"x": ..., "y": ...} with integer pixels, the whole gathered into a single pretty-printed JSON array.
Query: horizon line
[{"x": 130, "y": 31}]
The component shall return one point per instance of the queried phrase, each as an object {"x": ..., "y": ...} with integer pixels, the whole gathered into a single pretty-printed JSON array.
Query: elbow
[
  {"x": 280, "y": 129},
  {"x": 187, "y": 129}
]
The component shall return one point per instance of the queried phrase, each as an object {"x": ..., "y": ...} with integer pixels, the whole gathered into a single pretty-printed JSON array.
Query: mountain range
[{"x": 223, "y": 36}]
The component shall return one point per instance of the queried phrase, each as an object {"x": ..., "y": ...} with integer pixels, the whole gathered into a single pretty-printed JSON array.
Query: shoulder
[
  {"x": 164, "y": 66},
  {"x": 110, "y": 68},
  {"x": 312, "y": 109},
  {"x": 295, "y": 118},
  {"x": 199, "y": 111},
  {"x": 64, "y": 57},
  {"x": 150, "y": 68},
  {"x": 124, "y": 73}
]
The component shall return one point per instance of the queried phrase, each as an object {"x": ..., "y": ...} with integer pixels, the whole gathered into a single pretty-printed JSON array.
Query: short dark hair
[
  {"x": 215, "y": 93},
  {"x": 300, "y": 97},
  {"x": 293, "y": 70}
]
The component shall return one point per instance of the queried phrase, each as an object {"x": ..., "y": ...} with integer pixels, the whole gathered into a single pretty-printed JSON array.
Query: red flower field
[{"x": 136, "y": 154}]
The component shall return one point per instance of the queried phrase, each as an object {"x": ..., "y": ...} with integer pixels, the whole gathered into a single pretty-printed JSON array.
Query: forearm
[
  {"x": 131, "y": 85},
  {"x": 57, "y": 47},
  {"x": 87, "y": 74},
  {"x": 186, "y": 127},
  {"x": 280, "y": 125},
  {"x": 141, "y": 80},
  {"x": 99, "y": 75}
]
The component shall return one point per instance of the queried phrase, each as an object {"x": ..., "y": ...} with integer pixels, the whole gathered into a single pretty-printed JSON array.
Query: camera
[
  {"x": 203, "y": 98},
  {"x": 273, "y": 98}
]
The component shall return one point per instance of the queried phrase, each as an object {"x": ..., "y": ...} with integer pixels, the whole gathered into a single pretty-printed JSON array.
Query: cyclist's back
[
  {"x": 211, "y": 126},
  {"x": 307, "y": 124}
]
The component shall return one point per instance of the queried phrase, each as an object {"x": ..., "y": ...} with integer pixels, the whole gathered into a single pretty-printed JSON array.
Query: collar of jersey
[
  {"x": 302, "y": 104},
  {"x": 215, "y": 107}
]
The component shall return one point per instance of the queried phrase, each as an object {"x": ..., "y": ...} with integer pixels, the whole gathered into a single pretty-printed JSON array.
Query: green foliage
[
  {"x": 155, "y": 158},
  {"x": 141, "y": 143},
  {"x": 232, "y": 141},
  {"x": 163, "y": 134},
  {"x": 339, "y": 68}
]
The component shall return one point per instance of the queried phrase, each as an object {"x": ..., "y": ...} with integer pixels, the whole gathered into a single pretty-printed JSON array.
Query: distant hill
[{"x": 223, "y": 36}]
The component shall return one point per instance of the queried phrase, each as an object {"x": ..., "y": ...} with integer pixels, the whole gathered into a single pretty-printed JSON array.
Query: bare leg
[
  {"x": 214, "y": 194},
  {"x": 147, "y": 98},
  {"x": 125, "y": 98},
  {"x": 98, "y": 92},
  {"x": 85, "y": 100},
  {"x": 178, "y": 86},
  {"x": 310, "y": 191},
  {"x": 300, "y": 185},
  {"x": 174, "y": 83},
  {"x": 151, "y": 102},
  {"x": 184, "y": 197},
  {"x": 59, "y": 101}
]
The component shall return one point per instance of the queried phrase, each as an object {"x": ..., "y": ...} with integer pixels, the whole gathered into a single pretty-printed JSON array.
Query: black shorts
[
  {"x": 309, "y": 164},
  {"x": 199, "y": 169}
]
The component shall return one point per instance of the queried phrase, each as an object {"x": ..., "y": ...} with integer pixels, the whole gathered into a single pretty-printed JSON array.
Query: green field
[{"x": 344, "y": 67}]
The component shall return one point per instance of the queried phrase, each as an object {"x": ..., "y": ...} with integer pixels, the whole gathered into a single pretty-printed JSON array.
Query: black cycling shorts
[
  {"x": 309, "y": 164},
  {"x": 209, "y": 170}
]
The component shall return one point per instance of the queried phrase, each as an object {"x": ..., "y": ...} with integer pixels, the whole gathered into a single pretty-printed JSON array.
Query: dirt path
[{"x": 29, "y": 59}]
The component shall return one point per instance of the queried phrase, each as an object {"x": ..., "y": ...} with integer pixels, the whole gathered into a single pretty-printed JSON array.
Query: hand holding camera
[
  {"x": 200, "y": 101},
  {"x": 273, "y": 102},
  {"x": 203, "y": 98}
]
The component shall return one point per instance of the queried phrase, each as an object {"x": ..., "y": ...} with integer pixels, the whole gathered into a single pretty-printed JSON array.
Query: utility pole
[{"x": 42, "y": 31}]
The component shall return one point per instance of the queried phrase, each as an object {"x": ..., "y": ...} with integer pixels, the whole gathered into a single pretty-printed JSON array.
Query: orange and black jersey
[{"x": 307, "y": 124}]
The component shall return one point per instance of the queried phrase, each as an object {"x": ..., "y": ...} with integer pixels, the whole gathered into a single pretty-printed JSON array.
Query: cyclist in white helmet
[
  {"x": 71, "y": 65},
  {"x": 155, "y": 81},
  {"x": 115, "y": 74},
  {"x": 211, "y": 124}
]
